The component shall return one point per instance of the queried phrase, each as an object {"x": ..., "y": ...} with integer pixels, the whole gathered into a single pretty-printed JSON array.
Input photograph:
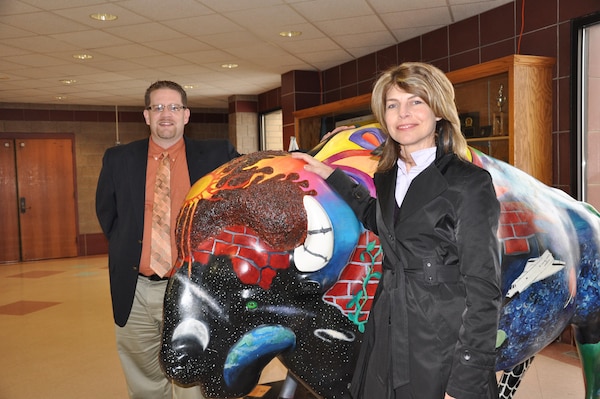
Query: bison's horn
[{"x": 317, "y": 249}]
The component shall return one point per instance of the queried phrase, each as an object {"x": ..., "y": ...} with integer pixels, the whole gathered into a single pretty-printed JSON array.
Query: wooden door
[
  {"x": 45, "y": 198},
  {"x": 9, "y": 216}
]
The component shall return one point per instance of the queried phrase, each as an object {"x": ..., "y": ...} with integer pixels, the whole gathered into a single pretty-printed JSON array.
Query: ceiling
[{"x": 188, "y": 40}]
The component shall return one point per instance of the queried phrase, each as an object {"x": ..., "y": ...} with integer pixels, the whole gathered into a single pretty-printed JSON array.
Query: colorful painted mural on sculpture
[{"x": 274, "y": 263}]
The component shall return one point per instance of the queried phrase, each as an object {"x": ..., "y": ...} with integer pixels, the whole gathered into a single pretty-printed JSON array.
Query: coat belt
[{"x": 390, "y": 356}]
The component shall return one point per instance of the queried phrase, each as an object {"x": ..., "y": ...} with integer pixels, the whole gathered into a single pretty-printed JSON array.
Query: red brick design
[
  {"x": 516, "y": 227},
  {"x": 240, "y": 243},
  {"x": 350, "y": 283}
]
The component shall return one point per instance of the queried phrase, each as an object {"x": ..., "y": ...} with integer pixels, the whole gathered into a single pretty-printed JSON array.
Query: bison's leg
[
  {"x": 288, "y": 389},
  {"x": 511, "y": 379},
  {"x": 589, "y": 355}
]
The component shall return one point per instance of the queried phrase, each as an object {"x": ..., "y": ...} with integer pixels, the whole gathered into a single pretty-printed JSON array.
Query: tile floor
[{"x": 57, "y": 340}]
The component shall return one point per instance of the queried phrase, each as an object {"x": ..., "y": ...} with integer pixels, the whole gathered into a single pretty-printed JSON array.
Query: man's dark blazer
[{"x": 120, "y": 199}]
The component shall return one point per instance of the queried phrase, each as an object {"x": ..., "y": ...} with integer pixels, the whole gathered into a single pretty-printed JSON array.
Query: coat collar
[{"x": 428, "y": 185}]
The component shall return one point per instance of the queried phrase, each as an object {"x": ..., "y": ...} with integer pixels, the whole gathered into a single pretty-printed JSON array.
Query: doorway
[
  {"x": 585, "y": 101},
  {"x": 37, "y": 197}
]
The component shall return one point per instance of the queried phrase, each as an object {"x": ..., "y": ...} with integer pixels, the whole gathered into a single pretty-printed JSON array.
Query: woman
[{"x": 432, "y": 328}]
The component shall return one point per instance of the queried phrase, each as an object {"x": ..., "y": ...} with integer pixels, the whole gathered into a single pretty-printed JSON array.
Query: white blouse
[{"x": 422, "y": 158}]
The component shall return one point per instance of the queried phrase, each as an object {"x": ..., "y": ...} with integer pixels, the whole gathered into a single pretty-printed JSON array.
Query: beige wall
[
  {"x": 91, "y": 140},
  {"x": 243, "y": 131},
  {"x": 274, "y": 131}
]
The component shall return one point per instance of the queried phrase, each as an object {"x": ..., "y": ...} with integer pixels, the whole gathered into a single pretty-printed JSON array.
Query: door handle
[{"x": 22, "y": 205}]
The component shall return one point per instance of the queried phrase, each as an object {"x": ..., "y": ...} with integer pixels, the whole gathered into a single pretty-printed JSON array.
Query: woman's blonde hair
[{"x": 433, "y": 87}]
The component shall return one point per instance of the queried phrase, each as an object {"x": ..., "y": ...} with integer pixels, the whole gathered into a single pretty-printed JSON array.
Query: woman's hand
[
  {"x": 448, "y": 396},
  {"x": 314, "y": 166}
]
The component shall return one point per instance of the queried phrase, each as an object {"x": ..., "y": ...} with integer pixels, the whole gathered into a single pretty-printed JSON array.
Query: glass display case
[
  {"x": 310, "y": 124},
  {"x": 483, "y": 114},
  {"x": 505, "y": 107}
]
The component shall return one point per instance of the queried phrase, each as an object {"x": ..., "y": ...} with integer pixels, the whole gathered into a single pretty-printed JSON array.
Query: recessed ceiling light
[
  {"x": 67, "y": 81},
  {"x": 59, "y": 98},
  {"x": 103, "y": 17},
  {"x": 290, "y": 33},
  {"x": 229, "y": 66},
  {"x": 188, "y": 86},
  {"x": 83, "y": 56}
]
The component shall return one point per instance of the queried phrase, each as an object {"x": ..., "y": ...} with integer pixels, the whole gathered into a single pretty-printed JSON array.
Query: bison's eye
[{"x": 251, "y": 305}]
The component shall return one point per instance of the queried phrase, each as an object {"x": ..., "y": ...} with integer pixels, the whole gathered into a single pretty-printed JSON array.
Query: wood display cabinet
[{"x": 505, "y": 107}]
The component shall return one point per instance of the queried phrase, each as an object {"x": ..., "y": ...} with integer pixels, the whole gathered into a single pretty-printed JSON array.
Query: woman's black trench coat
[{"x": 432, "y": 328}]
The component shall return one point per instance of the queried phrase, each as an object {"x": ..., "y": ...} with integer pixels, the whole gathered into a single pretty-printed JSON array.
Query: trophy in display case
[{"x": 500, "y": 119}]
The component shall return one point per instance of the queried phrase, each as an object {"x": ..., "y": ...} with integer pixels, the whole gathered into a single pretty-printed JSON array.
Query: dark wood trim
[{"x": 92, "y": 244}]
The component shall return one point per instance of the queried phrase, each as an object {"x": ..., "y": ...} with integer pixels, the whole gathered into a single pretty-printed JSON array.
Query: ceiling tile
[
  {"x": 44, "y": 23},
  {"x": 417, "y": 18},
  {"x": 166, "y": 10},
  {"x": 34, "y": 60},
  {"x": 332, "y": 10},
  {"x": 128, "y": 51},
  {"x": 16, "y": 7},
  {"x": 90, "y": 39},
  {"x": 145, "y": 32},
  {"x": 124, "y": 16}
]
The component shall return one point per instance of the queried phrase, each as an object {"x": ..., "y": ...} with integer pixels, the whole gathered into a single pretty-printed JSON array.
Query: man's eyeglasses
[{"x": 162, "y": 107}]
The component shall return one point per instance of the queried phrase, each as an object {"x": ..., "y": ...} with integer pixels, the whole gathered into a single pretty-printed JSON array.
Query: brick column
[{"x": 299, "y": 90}]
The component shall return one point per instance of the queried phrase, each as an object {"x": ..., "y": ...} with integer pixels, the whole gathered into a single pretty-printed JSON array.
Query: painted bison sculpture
[{"x": 274, "y": 264}]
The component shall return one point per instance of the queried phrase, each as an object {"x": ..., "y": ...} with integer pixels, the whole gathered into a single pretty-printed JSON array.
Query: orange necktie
[{"x": 160, "y": 253}]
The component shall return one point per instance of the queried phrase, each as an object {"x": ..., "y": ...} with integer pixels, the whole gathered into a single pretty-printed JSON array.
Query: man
[{"x": 125, "y": 202}]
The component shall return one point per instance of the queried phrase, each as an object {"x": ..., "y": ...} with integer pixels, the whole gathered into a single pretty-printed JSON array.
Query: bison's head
[{"x": 261, "y": 245}]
